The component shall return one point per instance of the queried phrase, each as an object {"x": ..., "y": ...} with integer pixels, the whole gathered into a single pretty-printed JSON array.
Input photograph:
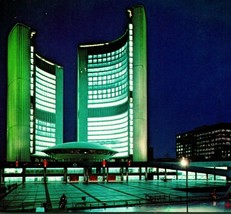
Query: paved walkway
[{"x": 30, "y": 196}]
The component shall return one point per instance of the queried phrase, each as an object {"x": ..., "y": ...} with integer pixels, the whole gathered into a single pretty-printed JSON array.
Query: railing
[
  {"x": 167, "y": 198},
  {"x": 148, "y": 199},
  {"x": 105, "y": 204}
]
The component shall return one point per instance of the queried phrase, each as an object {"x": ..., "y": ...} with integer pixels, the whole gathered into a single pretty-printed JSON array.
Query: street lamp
[{"x": 184, "y": 163}]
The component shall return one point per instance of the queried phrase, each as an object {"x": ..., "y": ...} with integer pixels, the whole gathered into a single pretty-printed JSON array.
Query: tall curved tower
[
  {"x": 138, "y": 18},
  {"x": 112, "y": 91},
  {"x": 34, "y": 98}
]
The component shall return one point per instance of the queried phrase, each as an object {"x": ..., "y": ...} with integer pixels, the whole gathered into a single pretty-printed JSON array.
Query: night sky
[{"x": 189, "y": 57}]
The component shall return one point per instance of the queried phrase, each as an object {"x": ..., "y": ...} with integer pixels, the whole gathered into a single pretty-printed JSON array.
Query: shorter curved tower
[{"x": 34, "y": 100}]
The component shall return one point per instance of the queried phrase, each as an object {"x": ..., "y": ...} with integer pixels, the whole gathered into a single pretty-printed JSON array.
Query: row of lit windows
[
  {"x": 44, "y": 80},
  {"x": 45, "y": 129},
  {"x": 108, "y": 66},
  {"x": 131, "y": 85},
  {"x": 113, "y": 53},
  {"x": 217, "y": 141},
  {"x": 46, "y": 76},
  {"x": 42, "y": 123},
  {"x": 112, "y": 83},
  {"x": 117, "y": 72},
  {"x": 114, "y": 118},
  {"x": 45, "y": 134},
  {"x": 104, "y": 96},
  {"x": 108, "y": 102},
  {"x": 45, "y": 85},
  {"x": 214, "y": 131},
  {"x": 32, "y": 71},
  {"x": 45, "y": 108},
  {"x": 46, "y": 139},
  {"x": 120, "y": 144},
  {"x": 210, "y": 137},
  {"x": 109, "y": 90},
  {"x": 106, "y": 59},
  {"x": 205, "y": 149},
  {"x": 117, "y": 90},
  {"x": 44, "y": 105},
  {"x": 109, "y": 75},
  {"x": 130, "y": 26},
  {"x": 203, "y": 142},
  {"x": 48, "y": 100},
  {"x": 226, "y": 152},
  {"x": 214, "y": 144},
  {"x": 223, "y": 134},
  {"x": 121, "y": 81},
  {"x": 109, "y": 126},
  {"x": 221, "y": 139},
  {"x": 45, "y": 88},
  {"x": 119, "y": 130},
  {"x": 205, "y": 153},
  {"x": 45, "y": 93},
  {"x": 32, "y": 94}
]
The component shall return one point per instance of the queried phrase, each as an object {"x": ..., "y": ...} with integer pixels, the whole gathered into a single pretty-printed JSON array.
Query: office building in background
[{"x": 205, "y": 143}]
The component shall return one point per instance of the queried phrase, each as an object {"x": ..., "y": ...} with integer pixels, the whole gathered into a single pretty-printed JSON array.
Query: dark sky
[{"x": 189, "y": 57}]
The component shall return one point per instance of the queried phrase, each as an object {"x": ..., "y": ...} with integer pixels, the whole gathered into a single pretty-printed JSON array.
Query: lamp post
[{"x": 184, "y": 163}]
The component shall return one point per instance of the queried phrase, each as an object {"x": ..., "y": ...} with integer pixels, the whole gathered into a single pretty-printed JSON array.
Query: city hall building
[
  {"x": 111, "y": 97},
  {"x": 112, "y": 90},
  {"x": 34, "y": 100}
]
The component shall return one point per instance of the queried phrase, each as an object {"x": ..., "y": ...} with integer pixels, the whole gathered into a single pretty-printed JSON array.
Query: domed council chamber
[{"x": 80, "y": 151}]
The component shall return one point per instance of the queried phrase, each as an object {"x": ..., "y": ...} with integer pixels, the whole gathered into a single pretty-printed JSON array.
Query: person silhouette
[{"x": 63, "y": 201}]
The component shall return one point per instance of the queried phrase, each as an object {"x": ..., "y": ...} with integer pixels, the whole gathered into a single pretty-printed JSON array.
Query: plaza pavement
[{"x": 32, "y": 196}]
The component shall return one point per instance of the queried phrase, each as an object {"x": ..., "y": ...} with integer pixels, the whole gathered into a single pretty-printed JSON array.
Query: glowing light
[
  {"x": 184, "y": 162},
  {"x": 94, "y": 45},
  {"x": 129, "y": 13}
]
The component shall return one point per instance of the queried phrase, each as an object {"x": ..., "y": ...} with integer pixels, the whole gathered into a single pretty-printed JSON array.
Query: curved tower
[
  {"x": 112, "y": 91},
  {"x": 103, "y": 89},
  {"x": 138, "y": 20},
  {"x": 34, "y": 99}
]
